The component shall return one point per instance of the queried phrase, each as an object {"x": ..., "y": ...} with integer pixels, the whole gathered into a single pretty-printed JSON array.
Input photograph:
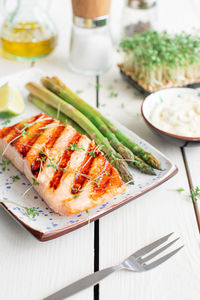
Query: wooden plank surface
[
  {"x": 153, "y": 215},
  {"x": 31, "y": 269}
]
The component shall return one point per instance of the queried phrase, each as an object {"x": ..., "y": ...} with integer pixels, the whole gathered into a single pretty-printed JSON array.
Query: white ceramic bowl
[{"x": 154, "y": 99}]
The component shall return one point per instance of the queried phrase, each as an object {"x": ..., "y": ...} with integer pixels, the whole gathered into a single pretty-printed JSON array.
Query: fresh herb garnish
[
  {"x": 107, "y": 173},
  {"x": 4, "y": 163},
  {"x": 155, "y": 58},
  {"x": 15, "y": 178},
  {"x": 29, "y": 211},
  {"x": 180, "y": 190},
  {"x": 113, "y": 95},
  {"x": 34, "y": 181},
  {"x": 98, "y": 86},
  {"x": 6, "y": 122},
  {"x": 92, "y": 153},
  {"x": 195, "y": 193},
  {"x": 79, "y": 91},
  {"x": 52, "y": 164}
]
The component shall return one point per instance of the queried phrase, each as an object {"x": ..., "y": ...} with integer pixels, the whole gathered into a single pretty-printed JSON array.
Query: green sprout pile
[{"x": 156, "y": 60}]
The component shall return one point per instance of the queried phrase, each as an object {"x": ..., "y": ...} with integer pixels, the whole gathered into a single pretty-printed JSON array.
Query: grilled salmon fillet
[{"x": 70, "y": 172}]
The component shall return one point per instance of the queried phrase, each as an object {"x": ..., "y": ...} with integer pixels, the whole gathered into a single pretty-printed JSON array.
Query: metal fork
[{"x": 136, "y": 263}]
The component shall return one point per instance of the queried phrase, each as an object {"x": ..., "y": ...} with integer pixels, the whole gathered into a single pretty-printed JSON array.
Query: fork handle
[{"x": 83, "y": 283}]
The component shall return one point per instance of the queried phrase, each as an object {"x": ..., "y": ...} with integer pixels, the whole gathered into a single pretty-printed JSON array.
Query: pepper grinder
[
  {"x": 91, "y": 49},
  {"x": 138, "y": 16}
]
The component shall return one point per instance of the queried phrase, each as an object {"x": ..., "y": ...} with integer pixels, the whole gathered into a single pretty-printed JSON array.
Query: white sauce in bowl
[{"x": 179, "y": 116}]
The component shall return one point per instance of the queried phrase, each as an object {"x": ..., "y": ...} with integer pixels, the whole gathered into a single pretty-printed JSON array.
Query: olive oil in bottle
[{"x": 27, "y": 33}]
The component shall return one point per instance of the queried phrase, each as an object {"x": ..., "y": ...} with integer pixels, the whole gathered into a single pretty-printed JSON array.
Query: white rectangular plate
[{"x": 48, "y": 225}]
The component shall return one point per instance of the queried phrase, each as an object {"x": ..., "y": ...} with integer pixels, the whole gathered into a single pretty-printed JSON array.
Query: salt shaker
[
  {"x": 91, "y": 50},
  {"x": 138, "y": 16}
]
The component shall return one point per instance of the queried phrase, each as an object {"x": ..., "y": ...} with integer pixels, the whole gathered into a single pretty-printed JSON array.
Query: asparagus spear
[
  {"x": 119, "y": 147},
  {"x": 52, "y": 112},
  {"x": 137, "y": 163},
  {"x": 56, "y": 86},
  {"x": 53, "y": 100}
]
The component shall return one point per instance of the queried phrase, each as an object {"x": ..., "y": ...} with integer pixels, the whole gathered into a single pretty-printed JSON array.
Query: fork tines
[{"x": 138, "y": 255}]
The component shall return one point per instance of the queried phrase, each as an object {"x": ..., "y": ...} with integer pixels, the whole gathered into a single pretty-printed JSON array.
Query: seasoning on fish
[{"x": 71, "y": 172}]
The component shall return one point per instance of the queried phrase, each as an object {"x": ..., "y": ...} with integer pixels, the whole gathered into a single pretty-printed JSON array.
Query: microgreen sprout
[
  {"x": 113, "y": 95},
  {"x": 74, "y": 147},
  {"x": 6, "y": 122},
  {"x": 155, "y": 59},
  {"x": 29, "y": 211},
  {"x": 15, "y": 178},
  {"x": 4, "y": 163},
  {"x": 79, "y": 91},
  {"x": 98, "y": 86},
  {"x": 195, "y": 193}
]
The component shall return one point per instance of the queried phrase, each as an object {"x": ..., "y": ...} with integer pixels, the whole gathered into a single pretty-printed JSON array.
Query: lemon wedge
[{"x": 11, "y": 101}]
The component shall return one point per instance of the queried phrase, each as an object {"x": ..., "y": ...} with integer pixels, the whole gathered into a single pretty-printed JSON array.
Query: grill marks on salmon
[
  {"x": 24, "y": 143},
  {"x": 71, "y": 179},
  {"x": 83, "y": 171},
  {"x": 63, "y": 162}
]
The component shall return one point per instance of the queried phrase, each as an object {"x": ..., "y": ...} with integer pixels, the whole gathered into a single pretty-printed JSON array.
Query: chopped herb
[
  {"x": 180, "y": 190},
  {"x": 122, "y": 105},
  {"x": 76, "y": 196},
  {"x": 79, "y": 91},
  {"x": 75, "y": 147},
  {"x": 113, "y": 95},
  {"x": 25, "y": 126},
  {"x": 4, "y": 163},
  {"x": 98, "y": 86},
  {"x": 31, "y": 212},
  {"x": 92, "y": 153},
  {"x": 39, "y": 133},
  {"x": 138, "y": 115},
  {"x": 52, "y": 164},
  {"x": 75, "y": 190},
  {"x": 42, "y": 159},
  {"x": 87, "y": 211},
  {"x": 25, "y": 133},
  {"x": 195, "y": 194},
  {"x": 97, "y": 181},
  {"x": 15, "y": 178},
  {"x": 107, "y": 173},
  {"x": 34, "y": 181},
  {"x": 6, "y": 122}
]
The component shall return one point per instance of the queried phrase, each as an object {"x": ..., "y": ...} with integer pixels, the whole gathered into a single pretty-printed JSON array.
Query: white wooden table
[{"x": 31, "y": 270}]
